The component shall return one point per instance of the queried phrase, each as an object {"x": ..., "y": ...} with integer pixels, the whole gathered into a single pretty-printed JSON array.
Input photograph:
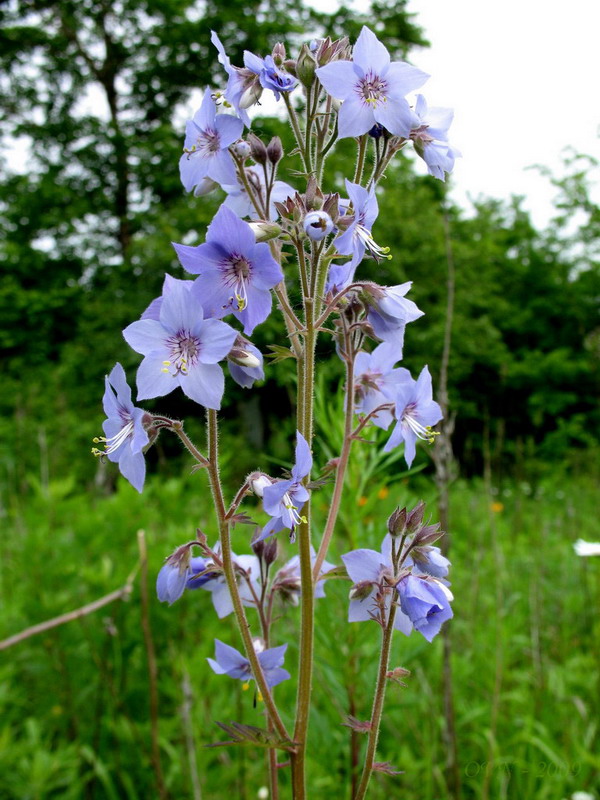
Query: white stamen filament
[
  {"x": 423, "y": 432},
  {"x": 296, "y": 517},
  {"x": 367, "y": 239},
  {"x": 114, "y": 442}
]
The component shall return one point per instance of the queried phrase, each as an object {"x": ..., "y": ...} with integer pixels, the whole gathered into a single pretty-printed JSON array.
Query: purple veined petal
[
  {"x": 201, "y": 258},
  {"x": 385, "y": 356},
  {"x": 276, "y": 676},
  {"x": 228, "y": 657},
  {"x": 369, "y": 53},
  {"x": 396, "y": 116},
  {"x": 192, "y": 170},
  {"x": 133, "y": 468},
  {"x": 266, "y": 272},
  {"x": 386, "y": 548},
  {"x": 402, "y": 622},
  {"x": 216, "y": 340},
  {"x": 232, "y": 233},
  {"x": 273, "y": 496},
  {"x": 274, "y": 525},
  {"x": 344, "y": 243},
  {"x": 354, "y": 118},
  {"x": 403, "y": 78},
  {"x": 431, "y": 414},
  {"x": 110, "y": 404},
  {"x": 204, "y": 384},
  {"x": 396, "y": 437},
  {"x": 223, "y": 58},
  {"x": 273, "y": 657},
  {"x": 410, "y": 444},
  {"x": 151, "y": 380},
  {"x": 118, "y": 381},
  {"x": 257, "y": 310},
  {"x": 303, "y": 458},
  {"x": 140, "y": 435},
  {"x": 220, "y": 167},
  {"x": 153, "y": 310},
  {"x": 338, "y": 78},
  {"x": 362, "y": 610},
  {"x": 364, "y": 565},
  {"x": 179, "y": 311},
  {"x": 423, "y": 387},
  {"x": 205, "y": 115},
  {"x": 339, "y": 277},
  {"x": 253, "y": 62},
  {"x": 300, "y": 496},
  {"x": 221, "y": 598},
  {"x": 170, "y": 583},
  {"x": 145, "y": 336},
  {"x": 229, "y": 128}
]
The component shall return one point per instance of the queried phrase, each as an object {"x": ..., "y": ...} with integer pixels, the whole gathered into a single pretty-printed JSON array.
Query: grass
[{"x": 74, "y": 705}]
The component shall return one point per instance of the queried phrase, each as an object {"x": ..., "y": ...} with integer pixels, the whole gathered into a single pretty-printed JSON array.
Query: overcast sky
[{"x": 523, "y": 77}]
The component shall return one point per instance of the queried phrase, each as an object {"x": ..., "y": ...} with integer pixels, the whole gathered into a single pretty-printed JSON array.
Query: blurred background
[{"x": 94, "y": 101}]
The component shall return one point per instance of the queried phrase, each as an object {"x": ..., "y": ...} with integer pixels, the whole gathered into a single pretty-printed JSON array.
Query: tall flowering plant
[{"x": 199, "y": 325}]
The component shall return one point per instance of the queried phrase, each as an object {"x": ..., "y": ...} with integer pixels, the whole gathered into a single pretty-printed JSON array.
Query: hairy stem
[{"x": 378, "y": 701}]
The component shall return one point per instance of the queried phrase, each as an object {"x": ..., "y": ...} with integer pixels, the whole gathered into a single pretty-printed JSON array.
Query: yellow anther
[
  {"x": 166, "y": 363},
  {"x": 245, "y": 686},
  {"x": 96, "y": 439},
  {"x": 165, "y": 370},
  {"x": 259, "y": 697}
]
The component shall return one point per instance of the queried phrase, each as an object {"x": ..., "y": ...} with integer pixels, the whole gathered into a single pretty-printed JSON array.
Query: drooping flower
[
  {"x": 426, "y": 602},
  {"x": 288, "y": 581},
  {"x": 245, "y": 362},
  {"x": 239, "y": 202},
  {"x": 181, "y": 348},
  {"x": 372, "y": 88},
  {"x": 357, "y": 239},
  {"x": 172, "y": 578},
  {"x": 273, "y": 78},
  {"x": 389, "y": 311},
  {"x": 124, "y": 434},
  {"x": 284, "y": 500},
  {"x": 317, "y": 225},
  {"x": 429, "y": 560},
  {"x": 430, "y": 138},
  {"x": 235, "y": 272},
  {"x": 247, "y": 569},
  {"x": 375, "y": 380},
  {"x": 372, "y": 574},
  {"x": 228, "y": 661},
  {"x": 207, "y": 139},
  {"x": 416, "y": 412}
]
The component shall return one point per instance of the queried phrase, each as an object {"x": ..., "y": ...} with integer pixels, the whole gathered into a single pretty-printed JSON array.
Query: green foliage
[{"x": 74, "y": 700}]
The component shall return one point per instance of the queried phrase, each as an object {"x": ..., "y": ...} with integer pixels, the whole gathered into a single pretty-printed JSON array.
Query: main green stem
[
  {"x": 378, "y": 701},
  {"x": 229, "y": 571}
]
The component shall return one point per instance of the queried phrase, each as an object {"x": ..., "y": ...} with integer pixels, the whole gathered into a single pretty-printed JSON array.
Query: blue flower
[
  {"x": 205, "y": 153},
  {"x": 430, "y": 137},
  {"x": 372, "y": 573},
  {"x": 245, "y": 362},
  {"x": 235, "y": 272},
  {"x": 228, "y": 661},
  {"x": 181, "y": 348},
  {"x": 416, "y": 413},
  {"x": 125, "y": 436},
  {"x": 389, "y": 311},
  {"x": 372, "y": 89},
  {"x": 317, "y": 225},
  {"x": 429, "y": 561},
  {"x": 426, "y": 602},
  {"x": 284, "y": 500},
  {"x": 375, "y": 381}
]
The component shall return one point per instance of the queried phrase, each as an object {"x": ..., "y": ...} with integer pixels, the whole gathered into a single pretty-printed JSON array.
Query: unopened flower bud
[
  {"x": 397, "y": 522},
  {"x": 258, "y": 482},
  {"x": 275, "y": 150},
  {"x": 251, "y": 95},
  {"x": 270, "y": 551},
  {"x": 306, "y": 66},
  {"x": 415, "y": 517},
  {"x": 360, "y": 591},
  {"x": 317, "y": 225},
  {"x": 279, "y": 53},
  {"x": 241, "y": 149},
  {"x": 244, "y": 358},
  {"x": 258, "y": 151},
  {"x": 263, "y": 231},
  {"x": 205, "y": 186}
]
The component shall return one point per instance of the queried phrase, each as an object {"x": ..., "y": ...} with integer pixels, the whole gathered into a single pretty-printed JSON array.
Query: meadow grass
[{"x": 74, "y": 704}]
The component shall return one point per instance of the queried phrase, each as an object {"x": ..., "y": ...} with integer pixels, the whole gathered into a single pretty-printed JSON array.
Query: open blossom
[
  {"x": 247, "y": 570},
  {"x": 357, "y": 239},
  {"x": 372, "y": 88},
  {"x": 235, "y": 272},
  {"x": 228, "y": 661},
  {"x": 207, "y": 139},
  {"x": 288, "y": 581},
  {"x": 372, "y": 574},
  {"x": 284, "y": 500},
  {"x": 430, "y": 138},
  {"x": 375, "y": 380},
  {"x": 389, "y": 311},
  {"x": 124, "y": 434},
  {"x": 181, "y": 348},
  {"x": 416, "y": 412},
  {"x": 426, "y": 602},
  {"x": 239, "y": 202}
]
